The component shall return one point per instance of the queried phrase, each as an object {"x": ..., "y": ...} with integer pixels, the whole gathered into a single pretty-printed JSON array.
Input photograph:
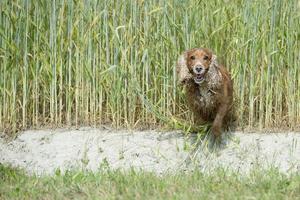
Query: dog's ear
[
  {"x": 214, "y": 74},
  {"x": 214, "y": 61},
  {"x": 182, "y": 70}
]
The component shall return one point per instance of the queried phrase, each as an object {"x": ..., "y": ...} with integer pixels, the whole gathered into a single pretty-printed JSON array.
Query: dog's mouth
[{"x": 199, "y": 78}]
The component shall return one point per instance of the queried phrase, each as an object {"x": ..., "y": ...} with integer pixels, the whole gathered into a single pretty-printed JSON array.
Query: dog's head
[{"x": 194, "y": 64}]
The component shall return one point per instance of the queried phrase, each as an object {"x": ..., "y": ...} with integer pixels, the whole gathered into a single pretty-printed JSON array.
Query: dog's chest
[{"x": 206, "y": 98}]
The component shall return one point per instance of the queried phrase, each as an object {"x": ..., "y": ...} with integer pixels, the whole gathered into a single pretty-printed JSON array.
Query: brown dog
[{"x": 208, "y": 87}]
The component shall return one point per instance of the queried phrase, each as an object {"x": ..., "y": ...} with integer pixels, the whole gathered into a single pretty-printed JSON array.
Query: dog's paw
[{"x": 216, "y": 130}]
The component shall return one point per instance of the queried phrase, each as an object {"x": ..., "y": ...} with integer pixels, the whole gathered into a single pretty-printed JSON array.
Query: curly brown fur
[{"x": 208, "y": 87}]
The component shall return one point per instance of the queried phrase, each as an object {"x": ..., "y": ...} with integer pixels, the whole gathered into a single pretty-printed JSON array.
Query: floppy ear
[
  {"x": 214, "y": 75},
  {"x": 214, "y": 61},
  {"x": 182, "y": 70}
]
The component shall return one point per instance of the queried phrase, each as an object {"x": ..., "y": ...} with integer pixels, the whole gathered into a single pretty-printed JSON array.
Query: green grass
[
  {"x": 271, "y": 184},
  {"x": 68, "y": 62}
]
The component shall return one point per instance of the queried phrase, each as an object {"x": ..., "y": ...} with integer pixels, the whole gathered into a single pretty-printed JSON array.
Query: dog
[{"x": 209, "y": 88}]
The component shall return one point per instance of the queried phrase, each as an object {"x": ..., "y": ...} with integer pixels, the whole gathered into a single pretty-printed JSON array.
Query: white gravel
[{"x": 44, "y": 151}]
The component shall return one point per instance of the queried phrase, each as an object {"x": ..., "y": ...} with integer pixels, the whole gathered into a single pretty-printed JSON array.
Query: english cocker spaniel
[{"x": 208, "y": 85}]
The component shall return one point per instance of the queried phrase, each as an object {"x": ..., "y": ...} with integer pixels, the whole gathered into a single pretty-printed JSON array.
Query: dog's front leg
[{"x": 218, "y": 121}]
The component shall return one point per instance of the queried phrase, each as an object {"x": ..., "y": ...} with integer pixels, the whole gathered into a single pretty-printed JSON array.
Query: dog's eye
[
  {"x": 193, "y": 57},
  {"x": 205, "y": 58}
]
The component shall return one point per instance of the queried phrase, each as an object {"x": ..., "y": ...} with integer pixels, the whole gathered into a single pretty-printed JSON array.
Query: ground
[{"x": 45, "y": 151}]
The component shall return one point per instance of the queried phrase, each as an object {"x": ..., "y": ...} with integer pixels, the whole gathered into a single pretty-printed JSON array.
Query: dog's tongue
[{"x": 199, "y": 78}]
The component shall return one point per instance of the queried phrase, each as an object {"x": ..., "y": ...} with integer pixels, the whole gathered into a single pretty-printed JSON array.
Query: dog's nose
[{"x": 198, "y": 68}]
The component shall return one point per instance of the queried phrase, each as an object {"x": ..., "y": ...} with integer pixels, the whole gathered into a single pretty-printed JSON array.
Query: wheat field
[{"x": 66, "y": 63}]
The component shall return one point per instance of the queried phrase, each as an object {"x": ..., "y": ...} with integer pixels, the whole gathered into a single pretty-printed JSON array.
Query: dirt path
[{"x": 44, "y": 151}]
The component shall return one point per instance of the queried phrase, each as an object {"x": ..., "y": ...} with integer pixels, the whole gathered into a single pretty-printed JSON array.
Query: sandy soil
[{"x": 44, "y": 151}]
